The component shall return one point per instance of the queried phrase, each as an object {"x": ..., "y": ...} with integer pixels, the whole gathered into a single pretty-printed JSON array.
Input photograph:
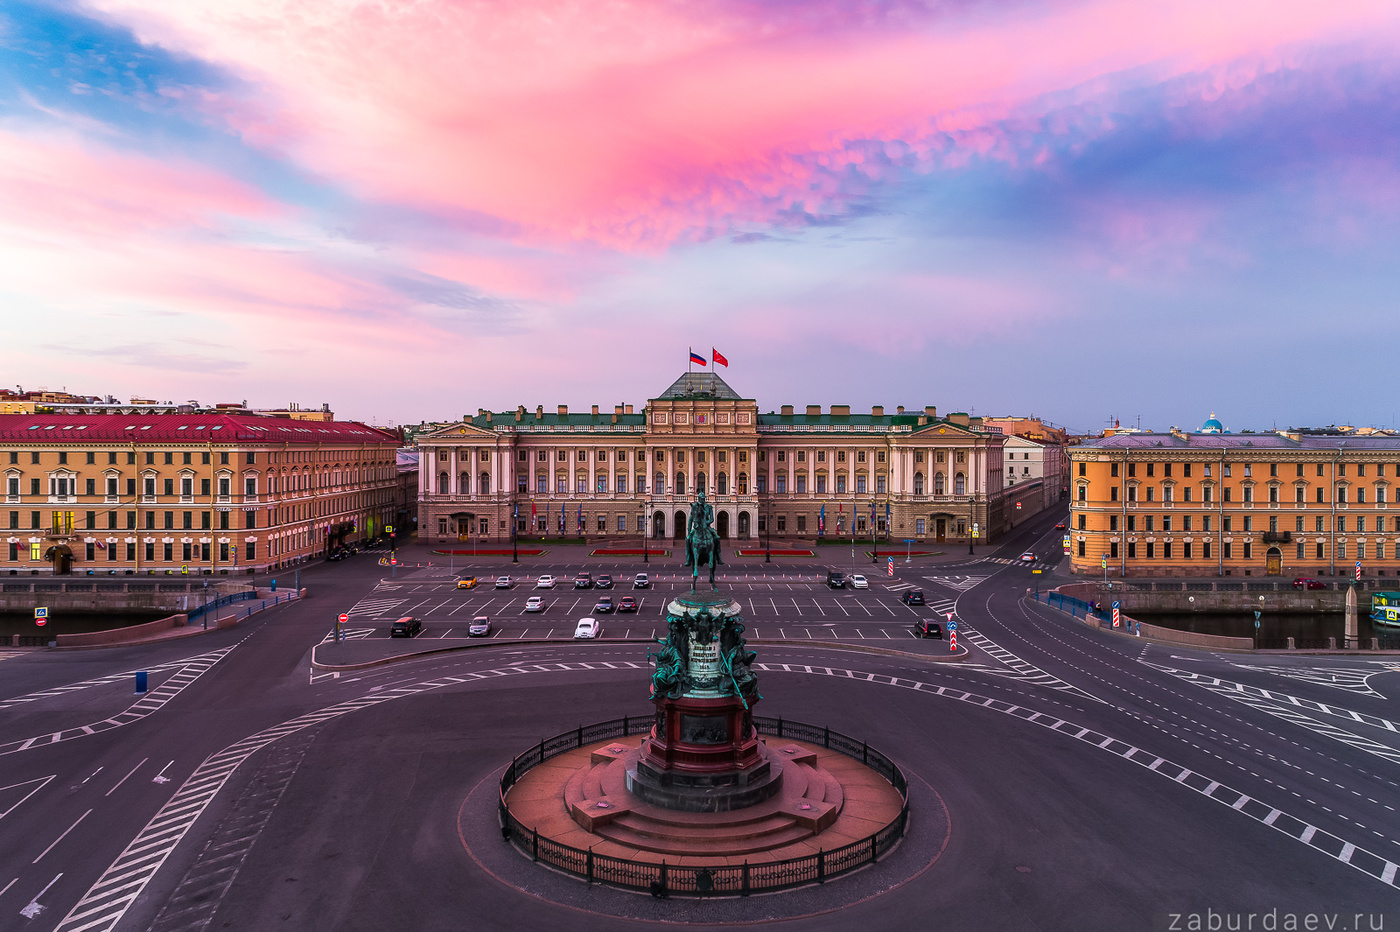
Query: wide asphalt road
[{"x": 1091, "y": 780}]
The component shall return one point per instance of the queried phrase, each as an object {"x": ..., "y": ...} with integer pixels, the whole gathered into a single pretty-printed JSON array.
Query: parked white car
[
  {"x": 534, "y": 603},
  {"x": 858, "y": 582},
  {"x": 588, "y": 628},
  {"x": 545, "y": 582}
]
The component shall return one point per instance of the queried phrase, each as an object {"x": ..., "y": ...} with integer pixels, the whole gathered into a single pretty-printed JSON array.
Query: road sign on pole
[
  {"x": 41, "y": 615},
  {"x": 1358, "y": 569},
  {"x": 952, "y": 641},
  {"x": 1117, "y": 615},
  {"x": 343, "y": 618},
  {"x": 890, "y": 570}
]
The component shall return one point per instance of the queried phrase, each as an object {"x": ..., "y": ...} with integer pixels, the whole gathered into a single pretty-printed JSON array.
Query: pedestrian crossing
[
  {"x": 1009, "y": 561},
  {"x": 1014, "y": 666},
  {"x": 106, "y": 680}
]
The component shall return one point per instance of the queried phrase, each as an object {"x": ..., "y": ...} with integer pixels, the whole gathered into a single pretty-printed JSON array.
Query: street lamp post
[
  {"x": 514, "y": 526},
  {"x": 874, "y": 535},
  {"x": 646, "y": 520}
]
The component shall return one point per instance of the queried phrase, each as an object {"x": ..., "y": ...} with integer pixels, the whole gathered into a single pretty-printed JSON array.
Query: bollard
[{"x": 141, "y": 683}]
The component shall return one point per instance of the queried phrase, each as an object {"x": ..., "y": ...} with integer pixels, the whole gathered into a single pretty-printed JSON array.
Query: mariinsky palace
[{"x": 899, "y": 476}]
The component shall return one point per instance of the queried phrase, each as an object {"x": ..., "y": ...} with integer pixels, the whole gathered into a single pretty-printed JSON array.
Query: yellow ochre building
[{"x": 1294, "y": 502}]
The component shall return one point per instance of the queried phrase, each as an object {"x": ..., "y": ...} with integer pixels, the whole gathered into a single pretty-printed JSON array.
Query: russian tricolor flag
[{"x": 698, "y": 359}]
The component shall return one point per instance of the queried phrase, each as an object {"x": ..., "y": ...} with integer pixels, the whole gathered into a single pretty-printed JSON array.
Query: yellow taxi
[{"x": 466, "y": 582}]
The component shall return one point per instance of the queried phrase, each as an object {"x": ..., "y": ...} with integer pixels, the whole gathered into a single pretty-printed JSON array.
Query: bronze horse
[{"x": 701, "y": 541}]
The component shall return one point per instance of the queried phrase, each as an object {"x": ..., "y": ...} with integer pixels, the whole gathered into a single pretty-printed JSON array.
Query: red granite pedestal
[{"x": 703, "y": 755}]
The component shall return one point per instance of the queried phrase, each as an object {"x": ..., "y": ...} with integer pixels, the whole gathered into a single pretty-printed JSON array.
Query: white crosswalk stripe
[
  {"x": 151, "y": 702},
  {"x": 103, "y": 680},
  {"x": 1015, "y": 666},
  {"x": 107, "y": 900},
  {"x": 1281, "y": 705}
]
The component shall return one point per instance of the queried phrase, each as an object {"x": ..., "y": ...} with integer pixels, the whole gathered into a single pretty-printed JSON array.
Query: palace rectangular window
[
  {"x": 919, "y": 527},
  {"x": 1225, "y": 523},
  {"x": 1341, "y": 551},
  {"x": 1205, "y": 550},
  {"x": 1112, "y": 469},
  {"x": 780, "y": 482},
  {"x": 1112, "y": 522},
  {"x": 1225, "y": 550},
  {"x": 1301, "y": 547},
  {"x": 782, "y": 523},
  {"x": 602, "y": 483},
  {"x": 821, "y": 484},
  {"x": 1112, "y": 550},
  {"x": 582, "y": 485},
  {"x": 1151, "y": 550},
  {"x": 621, "y": 486},
  {"x": 801, "y": 483},
  {"x": 840, "y": 485},
  {"x": 563, "y": 486},
  {"x": 542, "y": 484},
  {"x": 801, "y": 524},
  {"x": 1148, "y": 522},
  {"x": 1166, "y": 550},
  {"x": 761, "y": 483},
  {"x": 860, "y": 485},
  {"x": 1132, "y": 550},
  {"x": 880, "y": 485},
  {"x": 1112, "y": 493},
  {"x": 1186, "y": 551}
]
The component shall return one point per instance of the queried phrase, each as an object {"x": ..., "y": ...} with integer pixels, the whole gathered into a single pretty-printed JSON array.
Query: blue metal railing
[
  {"x": 1067, "y": 603},
  {"x": 220, "y": 602}
]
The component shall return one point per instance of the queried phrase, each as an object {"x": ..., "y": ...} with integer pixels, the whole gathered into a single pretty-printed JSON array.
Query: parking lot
[{"x": 792, "y": 606}]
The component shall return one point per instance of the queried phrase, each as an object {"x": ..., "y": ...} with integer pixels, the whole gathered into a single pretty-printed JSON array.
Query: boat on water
[{"x": 1385, "y": 608}]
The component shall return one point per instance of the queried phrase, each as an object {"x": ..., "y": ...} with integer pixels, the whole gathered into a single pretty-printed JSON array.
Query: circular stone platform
[{"x": 579, "y": 799}]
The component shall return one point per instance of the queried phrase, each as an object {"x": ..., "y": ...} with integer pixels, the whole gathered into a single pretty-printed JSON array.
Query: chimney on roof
[
  {"x": 488, "y": 417},
  {"x": 467, "y": 418},
  {"x": 899, "y": 410},
  {"x": 539, "y": 411},
  {"x": 519, "y": 412},
  {"x": 595, "y": 410},
  {"x": 626, "y": 409},
  {"x": 814, "y": 410},
  {"x": 931, "y": 410},
  {"x": 841, "y": 410},
  {"x": 563, "y": 410},
  {"x": 787, "y": 409},
  {"x": 617, "y": 409},
  {"x": 877, "y": 411}
]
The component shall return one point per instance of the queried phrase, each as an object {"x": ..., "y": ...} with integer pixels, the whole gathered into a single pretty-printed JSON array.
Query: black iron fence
[{"x": 663, "y": 879}]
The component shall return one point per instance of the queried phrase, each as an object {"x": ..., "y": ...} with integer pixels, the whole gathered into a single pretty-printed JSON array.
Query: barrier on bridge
[{"x": 220, "y": 602}]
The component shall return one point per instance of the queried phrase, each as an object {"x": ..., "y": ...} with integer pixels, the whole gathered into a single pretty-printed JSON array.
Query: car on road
[
  {"x": 859, "y": 582},
  {"x": 928, "y": 628},
  {"x": 627, "y": 604},
  {"x": 405, "y": 628},
  {"x": 535, "y": 603},
  {"x": 640, "y": 581},
  {"x": 1304, "y": 582},
  {"x": 603, "y": 606},
  {"x": 480, "y": 627},
  {"x": 912, "y": 597},
  {"x": 504, "y": 582},
  {"x": 545, "y": 582},
  {"x": 1061, "y": 527},
  {"x": 583, "y": 581},
  {"x": 466, "y": 582},
  {"x": 588, "y": 628},
  {"x": 604, "y": 581},
  {"x": 835, "y": 580},
  {"x": 1027, "y": 557}
]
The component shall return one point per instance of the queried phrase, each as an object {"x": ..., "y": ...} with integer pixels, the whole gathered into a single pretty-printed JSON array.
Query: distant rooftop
[
  {"x": 699, "y": 385},
  {"x": 1280, "y": 440}
]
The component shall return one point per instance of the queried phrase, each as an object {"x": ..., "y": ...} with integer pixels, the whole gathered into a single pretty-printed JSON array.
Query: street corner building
[
  {"x": 817, "y": 474},
  {"x": 187, "y": 493},
  {"x": 1211, "y": 503}
]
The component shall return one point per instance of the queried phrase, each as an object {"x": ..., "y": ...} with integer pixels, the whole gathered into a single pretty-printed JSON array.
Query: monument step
[{"x": 692, "y": 841}]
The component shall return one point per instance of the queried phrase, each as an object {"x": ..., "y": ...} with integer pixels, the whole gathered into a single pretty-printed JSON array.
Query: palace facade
[
  {"x": 901, "y": 475},
  {"x": 186, "y": 493},
  {"x": 1212, "y": 503}
]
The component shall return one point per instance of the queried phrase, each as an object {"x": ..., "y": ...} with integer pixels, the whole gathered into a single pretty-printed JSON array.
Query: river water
[
  {"x": 73, "y": 622},
  {"x": 1241, "y": 624}
]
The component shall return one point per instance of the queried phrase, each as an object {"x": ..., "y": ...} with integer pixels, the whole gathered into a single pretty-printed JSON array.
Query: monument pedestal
[{"x": 703, "y": 756}]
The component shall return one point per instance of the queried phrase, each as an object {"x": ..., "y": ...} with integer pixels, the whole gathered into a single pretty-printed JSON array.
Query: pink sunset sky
[{"x": 412, "y": 210}]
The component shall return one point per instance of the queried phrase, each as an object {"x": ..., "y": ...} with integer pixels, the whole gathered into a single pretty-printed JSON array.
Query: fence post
[
  {"x": 663, "y": 876},
  {"x": 1290, "y": 644},
  {"x": 1375, "y": 643},
  {"x": 534, "y": 844},
  {"x": 780, "y": 726},
  {"x": 821, "y": 865},
  {"x": 827, "y": 738},
  {"x": 744, "y": 883},
  {"x": 590, "y": 864},
  {"x": 1332, "y": 643},
  {"x": 578, "y": 742},
  {"x": 874, "y": 847}
]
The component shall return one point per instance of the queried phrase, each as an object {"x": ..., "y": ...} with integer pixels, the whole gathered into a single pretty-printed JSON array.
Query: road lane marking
[
  {"x": 60, "y": 837},
  {"x": 124, "y": 779}
]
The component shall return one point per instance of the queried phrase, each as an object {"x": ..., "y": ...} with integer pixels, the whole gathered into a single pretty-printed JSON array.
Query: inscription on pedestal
[{"x": 704, "y": 667}]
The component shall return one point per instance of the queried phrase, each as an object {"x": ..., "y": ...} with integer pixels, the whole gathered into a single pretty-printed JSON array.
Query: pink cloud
[{"x": 633, "y": 125}]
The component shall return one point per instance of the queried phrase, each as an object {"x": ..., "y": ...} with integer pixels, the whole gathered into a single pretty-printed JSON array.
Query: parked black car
[
  {"x": 928, "y": 628},
  {"x": 912, "y": 597},
  {"x": 405, "y": 628},
  {"x": 583, "y": 581},
  {"x": 835, "y": 580}
]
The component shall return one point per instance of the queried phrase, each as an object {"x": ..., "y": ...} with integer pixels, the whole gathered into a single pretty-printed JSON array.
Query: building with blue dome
[{"x": 1213, "y": 426}]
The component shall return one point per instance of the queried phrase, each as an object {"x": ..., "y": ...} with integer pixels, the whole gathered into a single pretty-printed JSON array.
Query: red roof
[{"x": 223, "y": 429}]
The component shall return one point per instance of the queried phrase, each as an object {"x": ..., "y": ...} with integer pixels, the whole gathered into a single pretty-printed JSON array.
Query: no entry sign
[{"x": 344, "y": 618}]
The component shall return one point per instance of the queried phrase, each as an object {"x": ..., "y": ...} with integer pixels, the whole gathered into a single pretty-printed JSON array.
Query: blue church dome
[{"x": 1212, "y": 426}]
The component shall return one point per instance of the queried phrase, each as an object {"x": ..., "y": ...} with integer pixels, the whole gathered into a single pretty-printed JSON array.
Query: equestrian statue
[{"x": 701, "y": 541}]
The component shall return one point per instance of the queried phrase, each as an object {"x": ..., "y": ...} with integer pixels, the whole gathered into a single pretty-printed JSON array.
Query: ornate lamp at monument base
[{"x": 703, "y": 754}]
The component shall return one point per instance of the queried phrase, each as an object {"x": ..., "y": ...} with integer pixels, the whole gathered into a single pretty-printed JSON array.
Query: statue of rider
[{"x": 701, "y": 542}]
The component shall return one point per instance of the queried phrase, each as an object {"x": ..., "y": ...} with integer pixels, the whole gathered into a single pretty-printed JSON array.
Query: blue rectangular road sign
[{"x": 952, "y": 626}]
